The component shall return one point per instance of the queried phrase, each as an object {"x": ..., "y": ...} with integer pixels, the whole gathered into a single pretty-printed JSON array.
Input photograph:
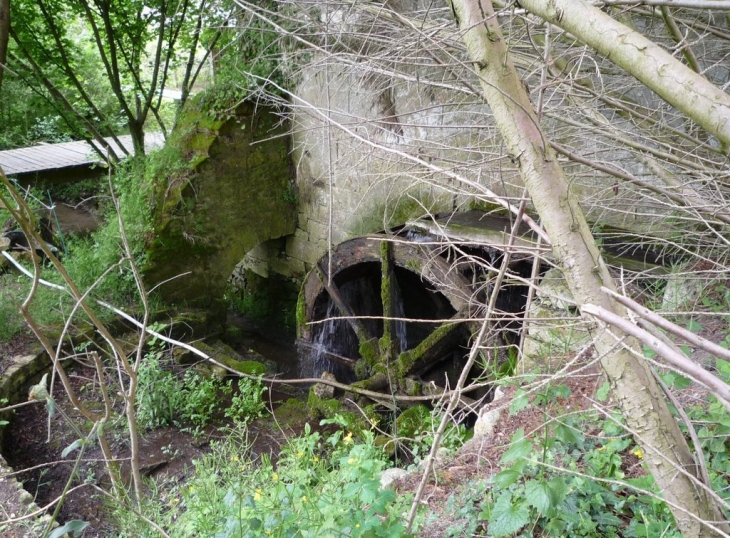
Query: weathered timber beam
[
  {"x": 363, "y": 335},
  {"x": 431, "y": 350}
]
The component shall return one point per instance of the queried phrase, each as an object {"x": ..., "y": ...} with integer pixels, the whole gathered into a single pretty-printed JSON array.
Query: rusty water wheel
[{"x": 373, "y": 340}]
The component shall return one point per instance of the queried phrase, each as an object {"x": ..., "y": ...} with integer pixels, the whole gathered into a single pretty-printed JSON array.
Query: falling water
[
  {"x": 336, "y": 337},
  {"x": 399, "y": 312}
]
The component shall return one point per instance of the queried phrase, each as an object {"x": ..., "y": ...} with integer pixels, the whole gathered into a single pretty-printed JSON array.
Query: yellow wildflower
[
  {"x": 300, "y": 454},
  {"x": 350, "y": 461},
  {"x": 304, "y": 498},
  {"x": 348, "y": 438},
  {"x": 275, "y": 477},
  {"x": 316, "y": 459},
  {"x": 357, "y": 525},
  {"x": 234, "y": 458},
  {"x": 257, "y": 495},
  {"x": 638, "y": 453}
]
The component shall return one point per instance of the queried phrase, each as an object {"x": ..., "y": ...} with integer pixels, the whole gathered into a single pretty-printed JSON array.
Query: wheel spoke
[
  {"x": 433, "y": 348},
  {"x": 363, "y": 335},
  {"x": 389, "y": 344}
]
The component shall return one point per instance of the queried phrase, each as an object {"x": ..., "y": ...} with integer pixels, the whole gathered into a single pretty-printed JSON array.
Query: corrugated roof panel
[{"x": 64, "y": 155}]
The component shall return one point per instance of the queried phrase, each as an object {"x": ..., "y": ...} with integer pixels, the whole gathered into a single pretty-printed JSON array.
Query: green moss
[
  {"x": 413, "y": 420},
  {"x": 292, "y": 414},
  {"x": 301, "y": 315},
  {"x": 322, "y": 407},
  {"x": 245, "y": 367},
  {"x": 386, "y": 444},
  {"x": 369, "y": 351},
  {"x": 403, "y": 365},
  {"x": 362, "y": 369},
  {"x": 220, "y": 191},
  {"x": 227, "y": 356},
  {"x": 487, "y": 207}
]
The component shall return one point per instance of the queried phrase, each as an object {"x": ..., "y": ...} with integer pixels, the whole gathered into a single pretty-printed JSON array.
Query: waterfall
[
  {"x": 401, "y": 329},
  {"x": 336, "y": 337}
]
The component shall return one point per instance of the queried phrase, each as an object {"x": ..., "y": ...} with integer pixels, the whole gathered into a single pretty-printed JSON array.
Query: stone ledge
[{"x": 15, "y": 502}]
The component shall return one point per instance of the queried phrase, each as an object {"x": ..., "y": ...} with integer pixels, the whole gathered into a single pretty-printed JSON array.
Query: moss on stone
[
  {"x": 322, "y": 407},
  {"x": 362, "y": 369},
  {"x": 227, "y": 356},
  {"x": 290, "y": 415},
  {"x": 369, "y": 351},
  {"x": 413, "y": 420},
  {"x": 487, "y": 207},
  {"x": 301, "y": 310},
  {"x": 220, "y": 191}
]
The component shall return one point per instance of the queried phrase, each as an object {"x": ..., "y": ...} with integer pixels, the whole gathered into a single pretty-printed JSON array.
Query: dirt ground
[{"x": 167, "y": 453}]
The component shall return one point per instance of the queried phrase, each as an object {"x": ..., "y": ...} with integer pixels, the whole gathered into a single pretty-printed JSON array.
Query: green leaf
[
  {"x": 676, "y": 381},
  {"x": 558, "y": 490},
  {"x": 520, "y": 402},
  {"x": 605, "y": 519},
  {"x": 506, "y": 478},
  {"x": 519, "y": 448},
  {"x": 73, "y": 446},
  {"x": 723, "y": 366},
  {"x": 693, "y": 326},
  {"x": 561, "y": 391},
  {"x": 565, "y": 434},
  {"x": 539, "y": 496},
  {"x": 602, "y": 393},
  {"x": 507, "y": 517},
  {"x": 75, "y": 526},
  {"x": 686, "y": 349}
]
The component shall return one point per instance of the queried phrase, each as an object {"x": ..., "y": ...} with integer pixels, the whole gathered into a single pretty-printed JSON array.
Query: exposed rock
[
  {"x": 682, "y": 290},
  {"x": 389, "y": 476},
  {"x": 233, "y": 194},
  {"x": 322, "y": 390},
  {"x": 488, "y": 417},
  {"x": 227, "y": 356}
]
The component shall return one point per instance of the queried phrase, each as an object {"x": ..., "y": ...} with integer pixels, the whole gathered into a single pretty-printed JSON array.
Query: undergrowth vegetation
[
  {"x": 93, "y": 262},
  {"x": 193, "y": 401},
  {"x": 321, "y": 485}
]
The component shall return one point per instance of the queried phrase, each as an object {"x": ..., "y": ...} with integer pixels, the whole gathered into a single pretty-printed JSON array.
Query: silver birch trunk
[
  {"x": 646, "y": 61},
  {"x": 634, "y": 389}
]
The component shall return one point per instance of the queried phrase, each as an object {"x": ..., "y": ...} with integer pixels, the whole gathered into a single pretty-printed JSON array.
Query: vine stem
[{"x": 484, "y": 331}]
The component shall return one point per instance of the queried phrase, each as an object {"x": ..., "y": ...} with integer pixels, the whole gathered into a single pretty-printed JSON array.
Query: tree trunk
[
  {"x": 673, "y": 81},
  {"x": 634, "y": 388},
  {"x": 136, "y": 130},
  {"x": 4, "y": 36}
]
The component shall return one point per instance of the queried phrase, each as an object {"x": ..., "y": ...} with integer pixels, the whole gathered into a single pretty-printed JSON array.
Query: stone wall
[
  {"x": 399, "y": 131},
  {"x": 228, "y": 187}
]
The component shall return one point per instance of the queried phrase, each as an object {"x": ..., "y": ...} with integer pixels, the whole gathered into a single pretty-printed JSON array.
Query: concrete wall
[{"x": 369, "y": 131}]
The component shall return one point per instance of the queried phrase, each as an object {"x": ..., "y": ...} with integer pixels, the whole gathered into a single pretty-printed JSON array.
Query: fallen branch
[
  {"x": 663, "y": 323},
  {"x": 680, "y": 361}
]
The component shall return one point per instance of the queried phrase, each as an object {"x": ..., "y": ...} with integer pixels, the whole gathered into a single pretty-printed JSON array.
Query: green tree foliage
[{"x": 101, "y": 65}]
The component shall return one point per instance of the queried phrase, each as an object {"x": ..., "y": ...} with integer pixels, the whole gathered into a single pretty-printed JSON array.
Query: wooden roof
[{"x": 65, "y": 155}]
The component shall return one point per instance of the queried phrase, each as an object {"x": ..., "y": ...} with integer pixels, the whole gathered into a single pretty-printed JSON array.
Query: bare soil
[{"x": 167, "y": 453}]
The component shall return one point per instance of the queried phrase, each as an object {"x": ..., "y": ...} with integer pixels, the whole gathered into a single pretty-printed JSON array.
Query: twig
[
  {"x": 680, "y": 361},
  {"x": 667, "y": 325}
]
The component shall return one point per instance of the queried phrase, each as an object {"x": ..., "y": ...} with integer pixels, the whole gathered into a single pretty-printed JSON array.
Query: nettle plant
[
  {"x": 563, "y": 482},
  {"x": 194, "y": 401},
  {"x": 320, "y": 486}
]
